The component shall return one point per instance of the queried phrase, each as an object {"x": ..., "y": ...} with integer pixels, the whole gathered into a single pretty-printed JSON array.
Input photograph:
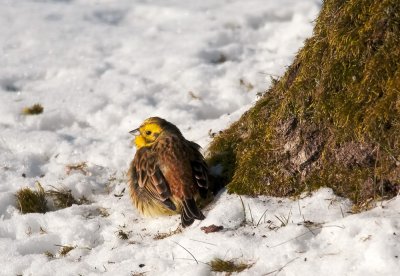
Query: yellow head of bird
[{"x": 148, "y": 132}]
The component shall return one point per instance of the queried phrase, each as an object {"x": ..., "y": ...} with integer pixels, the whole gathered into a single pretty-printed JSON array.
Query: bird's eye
[{"x": 148, "y": 132}]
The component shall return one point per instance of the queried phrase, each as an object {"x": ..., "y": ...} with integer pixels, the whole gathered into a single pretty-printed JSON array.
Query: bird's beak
[{"x": 135, "y": 132}]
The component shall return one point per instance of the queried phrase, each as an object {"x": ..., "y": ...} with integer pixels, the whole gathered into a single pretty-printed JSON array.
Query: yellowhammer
[{"x": 167, "y": 173}]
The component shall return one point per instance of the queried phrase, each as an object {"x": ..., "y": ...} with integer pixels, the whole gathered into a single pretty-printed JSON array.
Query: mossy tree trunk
[{"x": 333, "y": 119}]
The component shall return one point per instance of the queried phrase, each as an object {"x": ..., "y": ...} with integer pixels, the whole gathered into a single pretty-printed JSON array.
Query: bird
[{"x": 168, "y": 172}]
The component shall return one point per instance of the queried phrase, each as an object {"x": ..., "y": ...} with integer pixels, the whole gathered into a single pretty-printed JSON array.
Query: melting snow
[{"x": 99, "y": 68}]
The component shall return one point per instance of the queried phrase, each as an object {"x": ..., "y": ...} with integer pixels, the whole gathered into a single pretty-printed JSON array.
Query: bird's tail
[{"x": 190, "y": 212}]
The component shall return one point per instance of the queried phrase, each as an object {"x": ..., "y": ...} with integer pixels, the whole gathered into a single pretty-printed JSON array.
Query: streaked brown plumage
[{"x": 167, "y": 173}]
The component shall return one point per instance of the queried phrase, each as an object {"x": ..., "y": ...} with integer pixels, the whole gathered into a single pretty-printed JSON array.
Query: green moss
[
  {"x": 219, "y": 265},
  {"x": 65, "y": 249},
  {"x": 33, "y": 110},
  {"x": 122, "y": 235},
  {"x": 49, "y": 255},
  {"x": 35, "y": 201},
  {"x": 333, "y": 119},
  {"x": 63, "y": 198},
  {"x": 31, "y": 201}
]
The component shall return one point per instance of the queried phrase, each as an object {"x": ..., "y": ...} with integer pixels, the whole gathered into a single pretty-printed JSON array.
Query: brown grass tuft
[{"x": 31, "y": 201}]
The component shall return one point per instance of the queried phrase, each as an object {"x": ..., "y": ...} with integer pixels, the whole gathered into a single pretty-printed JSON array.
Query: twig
[
  {"x": 375, "y": 177},
  {"x": 188, "y": 259},
  {"x": 341, "y": 210},
  {"x": 281, "y": 268},
  {"x": 284, "y": 220},
  {"x": 388, "y": 151},
  {"x": 244, "y": 210},
  {"x": 187, "y": 252},
  {"x": 203, "y": 242},
  {"x": 317, "y": 228},
  {"x": 251, "y": 215},
  {"x": 298, "y": 204},
  {"x": 262, "y": 217},
  {"x": 269, "y": 74},
  {"x": 309, "y": 229}
]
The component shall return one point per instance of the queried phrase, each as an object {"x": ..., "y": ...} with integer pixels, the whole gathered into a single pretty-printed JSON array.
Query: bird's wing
[
  {"x": 147, "y": 179},
  {"x": 176, "y": 155},
  {"x": 199, "y": 169}
]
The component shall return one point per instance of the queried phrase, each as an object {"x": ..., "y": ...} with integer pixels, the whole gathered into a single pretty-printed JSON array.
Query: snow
[{"x": 99, "y": 68}]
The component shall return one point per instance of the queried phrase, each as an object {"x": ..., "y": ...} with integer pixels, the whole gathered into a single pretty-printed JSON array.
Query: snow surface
[{"x": 99, "y": 68}]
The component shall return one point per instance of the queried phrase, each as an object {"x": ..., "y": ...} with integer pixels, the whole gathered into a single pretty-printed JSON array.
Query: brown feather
[{"x": 148, "y": 187}]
